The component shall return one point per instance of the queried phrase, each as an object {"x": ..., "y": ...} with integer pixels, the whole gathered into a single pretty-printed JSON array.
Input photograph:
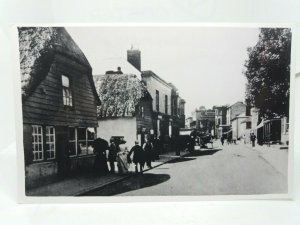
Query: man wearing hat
[{"x": 138, "y": 156}]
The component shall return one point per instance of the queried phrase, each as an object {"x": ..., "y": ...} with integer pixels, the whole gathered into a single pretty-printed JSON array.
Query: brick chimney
[{"x": 134, "y": 58}]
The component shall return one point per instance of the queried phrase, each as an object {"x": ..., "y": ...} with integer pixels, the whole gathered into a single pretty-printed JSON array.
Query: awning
[
  {"x": 259, "y": 125},
  {"x": 227, "y": 131},
  {"x": 246, "y": 120}
]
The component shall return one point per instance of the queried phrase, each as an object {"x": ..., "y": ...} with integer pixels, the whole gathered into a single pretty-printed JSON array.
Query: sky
[{"x": 205, "y": 63}]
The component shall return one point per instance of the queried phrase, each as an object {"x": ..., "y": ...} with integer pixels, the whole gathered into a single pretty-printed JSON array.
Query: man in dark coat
[
  {"x": 112, "y": 155},
  {"x": 148, "y": 148},
  {"x": 100, "y": 164},
  {"x": 252, "y": 138},
  {"x": 156, "y": 148},
  {"x": 222, "y": 139},
  {"x": 138, "y": 156}
]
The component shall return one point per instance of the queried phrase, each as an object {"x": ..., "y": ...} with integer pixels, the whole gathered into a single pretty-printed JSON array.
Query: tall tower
[{"x": 134, "y": 58}]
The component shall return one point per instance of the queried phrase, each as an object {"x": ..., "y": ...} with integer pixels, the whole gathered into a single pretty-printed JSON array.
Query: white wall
[
  {"x": 118, "y": 127},
  {"x": 153, "y": 85},
  {"x": 239, "y": 128}
]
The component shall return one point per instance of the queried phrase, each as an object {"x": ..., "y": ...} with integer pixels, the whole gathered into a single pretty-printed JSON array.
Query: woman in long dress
[{"x": 122, "y": 161}]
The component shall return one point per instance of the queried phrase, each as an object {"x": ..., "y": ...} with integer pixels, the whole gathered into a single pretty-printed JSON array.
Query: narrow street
[{"x": 224, "y": 170}]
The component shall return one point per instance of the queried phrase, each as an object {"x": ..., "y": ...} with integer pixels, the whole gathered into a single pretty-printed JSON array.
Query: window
[
  {"x": 50, "y": 142},
  {"x": 37, "y": 143},
  {"x": 91, "y": 136},
  {"x": 86, "y": 136},
  {"x": 157, "y": 100},
  {"x": 82, "y": 147},
  {"x": 67, "y": 92},
  {"x": 248, "y": 125},
  {"x": 166, "y": 104},
  {"x": 142, "y": 112}
]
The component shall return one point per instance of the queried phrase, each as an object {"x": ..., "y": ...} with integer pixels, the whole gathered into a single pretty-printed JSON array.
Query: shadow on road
[
  {"x": 131, "y": 184},
  {"x": 177, "y": 160},
  {"x": 203, "y": 152}
]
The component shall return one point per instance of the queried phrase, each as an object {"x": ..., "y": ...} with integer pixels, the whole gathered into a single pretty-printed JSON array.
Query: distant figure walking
[
  {"x": 156, "y": 148},
  {"x": 244, "y": 137},
  {"x": 222, "y": 140},
  {"x": 252, "y": 138},
  {"x": 100, "y": 163},
  {"x": 139, "y": 156},
  {"x": 148, "y": 148},
  {"x": 112, "y": 155}
]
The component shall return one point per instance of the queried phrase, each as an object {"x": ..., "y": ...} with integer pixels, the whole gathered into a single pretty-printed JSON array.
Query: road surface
[{"x": 224, "y": 170}]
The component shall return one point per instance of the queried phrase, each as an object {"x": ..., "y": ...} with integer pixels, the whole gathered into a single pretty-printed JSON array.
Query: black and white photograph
[{"x": 166, "y": 110}]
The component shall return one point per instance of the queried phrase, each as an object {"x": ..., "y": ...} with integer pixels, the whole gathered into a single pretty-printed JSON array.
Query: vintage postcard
[{"x": 171, "y": 112}]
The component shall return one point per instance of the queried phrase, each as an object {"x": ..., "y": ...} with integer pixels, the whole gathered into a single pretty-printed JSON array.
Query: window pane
[
  {"x": 81, "y": 132},
  {"x": 91, "y": 133},
  {"x": 34, "y": 128},
  {"x": 72, "y": 148},
  {"x": 70, "y": 101},
  {"x": 65, "y": 81},
  {"x": 82, "y": 148},
  {"x": 36, "y": 156},
  {"x": 90, "y": 147},
  {"x": 71, "y": 133}
]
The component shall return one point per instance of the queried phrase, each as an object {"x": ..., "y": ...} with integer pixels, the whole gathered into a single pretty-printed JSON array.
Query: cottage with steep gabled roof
[{"x": 59, "y": 103}]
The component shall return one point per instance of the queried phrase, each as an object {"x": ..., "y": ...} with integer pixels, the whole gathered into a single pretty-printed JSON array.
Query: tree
[{"x": 267, "y": 70}]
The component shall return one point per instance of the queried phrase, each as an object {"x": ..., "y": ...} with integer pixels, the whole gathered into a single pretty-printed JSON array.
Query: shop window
[
  {"x": 37, "y": 143},
  {"x": 86, "y": 137}
]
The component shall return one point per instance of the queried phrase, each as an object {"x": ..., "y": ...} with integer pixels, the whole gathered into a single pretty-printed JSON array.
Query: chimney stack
[{"x": 134, "y": 58}]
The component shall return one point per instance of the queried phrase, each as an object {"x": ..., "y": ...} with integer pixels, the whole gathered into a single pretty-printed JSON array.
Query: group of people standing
[
  {"x": 252, "y": 139},
  {"x": 141, "y": 155}
]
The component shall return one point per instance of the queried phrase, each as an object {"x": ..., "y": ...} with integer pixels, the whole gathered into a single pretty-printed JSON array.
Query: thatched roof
[
  {"x": 37, "y": 46},
  {"x": 114, "y": 62},
  {"x": 119, "y": 94}
]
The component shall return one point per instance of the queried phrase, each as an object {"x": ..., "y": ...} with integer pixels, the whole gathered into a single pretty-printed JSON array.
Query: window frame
[
  {"x": 34, "y": 143},
  {"x": 50, "y": 143},
  {"x": 141, "y": 111},
  {"x": 157, "y": 100},
  {"x": 67, "y": 98},
  {"x": 86, "y": 141},
  {"x": 166, "y": 104}
]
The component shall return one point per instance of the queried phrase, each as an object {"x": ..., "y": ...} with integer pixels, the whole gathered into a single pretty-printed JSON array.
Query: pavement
[
  {"x": 85, "y": 183},
  {"x": 274, "y": 155}
]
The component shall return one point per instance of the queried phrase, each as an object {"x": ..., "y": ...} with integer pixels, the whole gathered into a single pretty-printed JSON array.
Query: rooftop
[{"x": 119, "y": 93}]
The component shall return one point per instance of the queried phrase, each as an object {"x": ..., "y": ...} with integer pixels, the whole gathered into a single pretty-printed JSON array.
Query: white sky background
[{"x": 204, "y": 63}]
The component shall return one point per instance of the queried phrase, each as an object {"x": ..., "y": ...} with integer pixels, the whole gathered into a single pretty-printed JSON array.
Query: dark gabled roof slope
[{"x": 37, "y": 46}]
